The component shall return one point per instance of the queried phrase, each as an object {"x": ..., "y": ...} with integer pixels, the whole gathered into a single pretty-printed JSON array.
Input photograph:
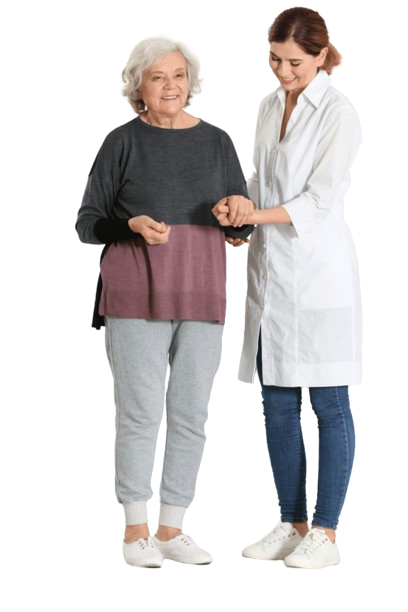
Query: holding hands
[
  {"x": 233, "y": 210},
  {"x": 236, "y": 211}
]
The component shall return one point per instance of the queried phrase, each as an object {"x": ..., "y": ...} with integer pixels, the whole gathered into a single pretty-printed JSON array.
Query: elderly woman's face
[{"x": 165, "y": 85}]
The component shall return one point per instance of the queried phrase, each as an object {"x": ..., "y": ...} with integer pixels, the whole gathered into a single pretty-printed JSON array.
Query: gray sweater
[{"x": 175, "y": 176}]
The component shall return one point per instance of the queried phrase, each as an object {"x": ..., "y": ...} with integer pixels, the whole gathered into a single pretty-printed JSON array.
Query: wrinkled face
[
  {"x": 294, "y": 68},
  {"x": 165, "y": 85}
]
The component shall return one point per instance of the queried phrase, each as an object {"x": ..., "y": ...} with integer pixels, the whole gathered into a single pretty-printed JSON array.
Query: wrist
[
  {"x": 276, "y": 215},
  {"x": 254, "y": 217},
  {"x": 134, "y": 225}
]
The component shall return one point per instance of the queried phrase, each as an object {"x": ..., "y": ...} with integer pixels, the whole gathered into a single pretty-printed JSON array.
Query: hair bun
[{"x": 334, "y": 59}]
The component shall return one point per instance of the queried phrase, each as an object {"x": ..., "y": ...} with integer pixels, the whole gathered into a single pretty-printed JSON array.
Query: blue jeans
[{"x": 282, "y": 408}]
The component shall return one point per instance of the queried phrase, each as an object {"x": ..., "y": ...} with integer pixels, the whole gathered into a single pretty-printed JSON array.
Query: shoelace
[
  {"x": 312, "y": 540},
  {"x": 145, "y": 543},
  {"x": 273, "y": 534},
  {"x": 186, "y": 540}
]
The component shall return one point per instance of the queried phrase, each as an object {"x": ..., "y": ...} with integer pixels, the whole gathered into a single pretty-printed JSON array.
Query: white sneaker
[
  {"x": 314, "y": 552},
  {"x": 277, "y": 544},
  {"x": 142, "y": 553},
  {"x": 183, "y": 549}
]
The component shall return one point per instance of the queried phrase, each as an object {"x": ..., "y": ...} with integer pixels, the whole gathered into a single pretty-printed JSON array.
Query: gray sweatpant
[{"x": 139, "y": 352}]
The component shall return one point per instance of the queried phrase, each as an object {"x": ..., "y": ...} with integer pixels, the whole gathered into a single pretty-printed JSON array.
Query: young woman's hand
[
  {"x": 240, "y": 210},
  {"x": 233, "y": 210}
]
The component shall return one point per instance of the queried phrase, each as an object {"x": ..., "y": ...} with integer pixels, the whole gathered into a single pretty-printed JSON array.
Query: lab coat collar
[{"x": 314, "y": 92}]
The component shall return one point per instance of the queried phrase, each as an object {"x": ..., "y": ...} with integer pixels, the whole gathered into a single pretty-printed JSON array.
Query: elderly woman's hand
[
  {"x": 152, "y": 231},
  {"x": 236, "y": 242},
  {"x": 221, "y": 212}
]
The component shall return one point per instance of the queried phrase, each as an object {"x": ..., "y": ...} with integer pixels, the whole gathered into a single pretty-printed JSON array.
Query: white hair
[{"x": 144, "y": 55}]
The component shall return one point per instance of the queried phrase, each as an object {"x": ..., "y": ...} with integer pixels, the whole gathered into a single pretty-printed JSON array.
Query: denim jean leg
[
  {"x": 282, "y": 408},
  {"x": 336, "y": 452}
]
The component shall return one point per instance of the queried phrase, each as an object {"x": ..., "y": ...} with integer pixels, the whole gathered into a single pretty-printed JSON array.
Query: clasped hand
[
  {"x": 234, "y": 210},
  {"x": 154, "y": 232}
]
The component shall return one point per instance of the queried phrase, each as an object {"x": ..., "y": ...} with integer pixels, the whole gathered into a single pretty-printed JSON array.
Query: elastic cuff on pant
[
  {"x": 171, "y": 516},
  {"x": 135, "y": 513}
]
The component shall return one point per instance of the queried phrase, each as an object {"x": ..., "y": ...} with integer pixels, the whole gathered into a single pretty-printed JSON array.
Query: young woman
[{"x": 303, "y": 314}]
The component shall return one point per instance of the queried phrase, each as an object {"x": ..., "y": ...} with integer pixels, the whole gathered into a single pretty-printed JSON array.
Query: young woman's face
[{"x": 294, "y": 68}]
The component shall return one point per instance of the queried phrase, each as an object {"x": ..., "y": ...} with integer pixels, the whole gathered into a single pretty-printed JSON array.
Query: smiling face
[
  {"x": 294, "y": 68},
  {"x": 165, "y": 86}
]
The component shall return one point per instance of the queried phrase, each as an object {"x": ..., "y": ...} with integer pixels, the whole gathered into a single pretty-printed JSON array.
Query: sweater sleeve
[
  {"x": 96, "y": 223},
  {"x": 112, "y": 230},
  {"x": 236, "y": 185}
]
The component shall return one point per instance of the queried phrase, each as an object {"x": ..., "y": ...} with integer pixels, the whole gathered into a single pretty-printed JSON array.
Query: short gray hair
[{"x": 144, "y": 55}]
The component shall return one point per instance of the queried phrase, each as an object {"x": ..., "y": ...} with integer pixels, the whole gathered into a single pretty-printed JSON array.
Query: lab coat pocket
[{"x": 325, "y": 272}]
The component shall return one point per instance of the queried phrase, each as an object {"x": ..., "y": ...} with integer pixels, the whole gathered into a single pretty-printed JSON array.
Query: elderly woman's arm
[
  {"x": 114, "y": 230},
  {"x": 240, "y": 206},
  {"x": 109, "y": 230},
  {"x": 96, "y": 222}
]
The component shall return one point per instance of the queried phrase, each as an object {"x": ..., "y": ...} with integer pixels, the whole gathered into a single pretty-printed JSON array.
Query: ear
[
  {"x": 321, "y": 58},
  {"x": 139, "y": 94}
]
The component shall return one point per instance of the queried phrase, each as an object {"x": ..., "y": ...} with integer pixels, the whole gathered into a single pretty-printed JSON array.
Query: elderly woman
[
  {"x": 303, "y": 317},
  {"x": 161, "y": 293}
]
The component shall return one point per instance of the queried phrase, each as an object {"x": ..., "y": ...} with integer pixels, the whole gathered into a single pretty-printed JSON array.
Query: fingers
[
  {"x": 159, "y": 234},
  {"x": 221, "y": 202},
  {"x": 220, "y": 207},
  {"x": 220, "y": 212},
  {"x": 157, "y": 226},
  {"x": 240, "y": 210},
  {"x": 233, "y": 210},
  {"x": 236, "y": 241}
]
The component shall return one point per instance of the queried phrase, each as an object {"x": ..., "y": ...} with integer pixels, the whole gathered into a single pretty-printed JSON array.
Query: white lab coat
[{"x": 303, "y": 283}]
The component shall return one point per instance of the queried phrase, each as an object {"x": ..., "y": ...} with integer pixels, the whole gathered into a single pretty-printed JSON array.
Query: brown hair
[{"x": 308, "y": 30}]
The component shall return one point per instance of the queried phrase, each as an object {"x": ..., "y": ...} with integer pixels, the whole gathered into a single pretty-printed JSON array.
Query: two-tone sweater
[{"x": 171, "y": 175}]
